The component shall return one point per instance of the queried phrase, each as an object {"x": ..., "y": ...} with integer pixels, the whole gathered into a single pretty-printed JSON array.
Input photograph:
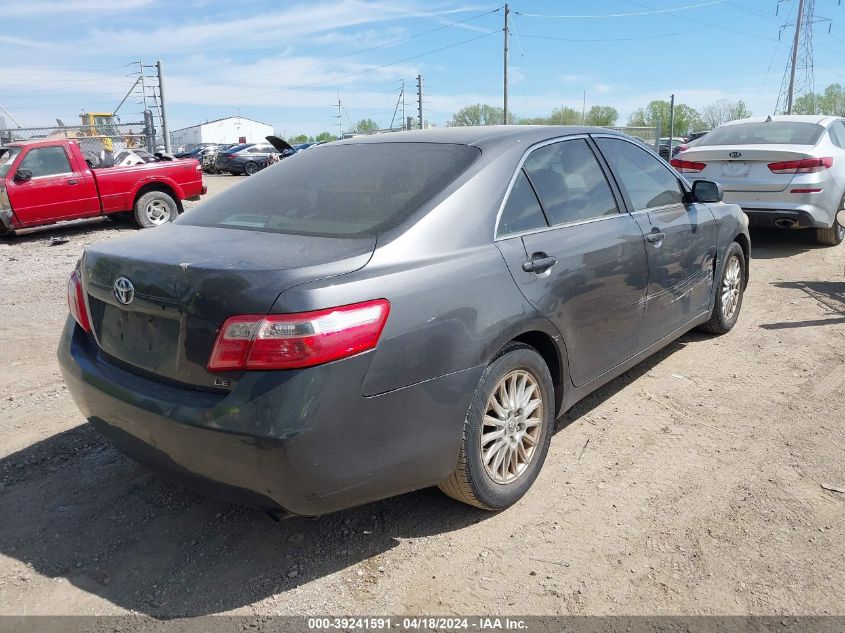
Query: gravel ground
[{"x": 697, "y": 483}]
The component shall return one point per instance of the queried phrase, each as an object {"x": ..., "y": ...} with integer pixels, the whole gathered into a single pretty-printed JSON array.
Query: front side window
[
  {"x": 646, "y": 179},
  {"x": 46, "y": 161},
  {"x": 7, "y": 157},
  {"x": 569, "y": 182},
  {"x": 522, "y": 211}
]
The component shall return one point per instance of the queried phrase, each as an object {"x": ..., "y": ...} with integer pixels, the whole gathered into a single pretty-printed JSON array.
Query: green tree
[
  {"x": 323, "y": 137},
  {"x": 722, "y": 111},
  {"x": 830, "y": 102},
  {"x": 478, "y": 114},
  {"x": 366, "y": 125},
  {"x": 605, "y": 116},
  {"x": 537, "y": 120},
  {"x": 299, "y": 138},
  {"x": 687, "y": 118},
  {"x": 564, "y": 116}
]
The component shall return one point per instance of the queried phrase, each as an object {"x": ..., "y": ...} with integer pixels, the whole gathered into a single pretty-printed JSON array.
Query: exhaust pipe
[{"x": 785, "y": 223}]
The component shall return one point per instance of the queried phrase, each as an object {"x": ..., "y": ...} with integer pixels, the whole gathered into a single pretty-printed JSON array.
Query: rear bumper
[
  {"x": 304, "y": 441},
  {"x": 807, "y": 210}
]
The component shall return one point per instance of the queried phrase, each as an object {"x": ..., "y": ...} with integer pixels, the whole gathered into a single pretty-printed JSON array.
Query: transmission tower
[{"x": 798, "y": 78}]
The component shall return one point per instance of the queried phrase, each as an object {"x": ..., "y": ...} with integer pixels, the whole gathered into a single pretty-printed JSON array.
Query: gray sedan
[
  {"x": 392, "y": 312},
  {"x": 784, "y": 171}
]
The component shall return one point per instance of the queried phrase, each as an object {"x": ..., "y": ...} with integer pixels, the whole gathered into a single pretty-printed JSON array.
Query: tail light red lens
[
  {"x": 76, "y": 301},
  {"x": 687, "y": 166},
  {"x": 304, "y": 339},
  {"x": 803, "y": 166}
]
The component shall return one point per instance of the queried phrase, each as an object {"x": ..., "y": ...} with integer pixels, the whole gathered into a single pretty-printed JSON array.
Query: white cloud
[{"x": 46, "y": 7}]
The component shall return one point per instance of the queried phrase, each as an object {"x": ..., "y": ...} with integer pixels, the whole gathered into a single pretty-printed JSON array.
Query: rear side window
[
  {"x": 765, "y": 133},
  {"x": 569, "y": 182},
  {"x": 347, "y": 190},
  {"x": 837, "y": 134},
  {"x": 46, "y": 161},
  {"x": 522, "y": 211},
  {"x": 647, "y": 180}
]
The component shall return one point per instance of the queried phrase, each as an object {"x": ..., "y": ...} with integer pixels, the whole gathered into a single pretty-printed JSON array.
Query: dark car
[
  {"x": 391, "y": 312},
  {"x": 246, "y": 159}
]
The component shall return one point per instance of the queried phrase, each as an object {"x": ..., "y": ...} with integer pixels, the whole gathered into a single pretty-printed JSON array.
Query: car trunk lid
[
  {"x": 742, "y": 168},
  {"x": 186, "y": 280}
]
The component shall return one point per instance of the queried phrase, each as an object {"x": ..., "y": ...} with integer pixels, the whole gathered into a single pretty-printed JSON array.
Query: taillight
[
  {"x": 76, "y": 301},
  {"x": 304, "y": 339},
  {"x": 803, "y": 166},
  {"x": 687, "y": 166}
]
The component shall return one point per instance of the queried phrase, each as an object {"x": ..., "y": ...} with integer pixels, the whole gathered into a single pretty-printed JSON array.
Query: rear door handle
[
  {"x": 539, "y": 263},
  {"x": 655, "y": 238}
]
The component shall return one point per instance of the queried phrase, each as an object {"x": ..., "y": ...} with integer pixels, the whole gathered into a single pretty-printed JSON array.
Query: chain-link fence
[
  {"x": 93, "y": 139},
  {"x": 648, "y": 135}
]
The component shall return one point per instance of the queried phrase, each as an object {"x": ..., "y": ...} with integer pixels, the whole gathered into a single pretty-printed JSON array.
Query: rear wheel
[
  {"x": 251, "y": 168},
  {"x": 835, "y": 234},
  {"x": 155, "y": 208},
  {"x": 507, "y": 431},
  {"x": 729, "y": 292}
]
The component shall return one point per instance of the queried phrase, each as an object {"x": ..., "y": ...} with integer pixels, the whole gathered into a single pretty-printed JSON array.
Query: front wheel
[
  {"x": 729, "y": 292},
  {"x": 155, "y": 208},
  {"x": 507, "y": 431}
]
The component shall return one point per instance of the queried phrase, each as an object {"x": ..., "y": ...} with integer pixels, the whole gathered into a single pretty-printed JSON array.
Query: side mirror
[
  {"x": 707, "y": 191},
  {"x": 23, "y": 175}
]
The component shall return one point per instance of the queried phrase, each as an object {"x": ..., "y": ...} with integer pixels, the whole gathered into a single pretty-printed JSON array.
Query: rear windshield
[
  {"x": 338, "y": 190},
  {"x": 771, "y": 133},
  {"x": 7, "y": 157}
]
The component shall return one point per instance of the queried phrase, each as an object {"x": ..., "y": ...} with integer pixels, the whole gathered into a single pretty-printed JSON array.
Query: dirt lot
[{"x": 694, "y": 484}]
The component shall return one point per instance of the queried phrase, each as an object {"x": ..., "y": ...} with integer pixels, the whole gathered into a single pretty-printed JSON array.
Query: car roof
[
  {"x": 39, "y": 141},
  {"x": 820, "y": 119},
  {"x": 480, "y": 135}
]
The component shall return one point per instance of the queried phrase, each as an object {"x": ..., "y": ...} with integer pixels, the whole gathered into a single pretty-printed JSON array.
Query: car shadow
[
  {"x": 75, "y": 508},
  {"x": 65, "y": 232},
  {"x": 830, "y": 294},
  {"x": 781, "y": 243}
]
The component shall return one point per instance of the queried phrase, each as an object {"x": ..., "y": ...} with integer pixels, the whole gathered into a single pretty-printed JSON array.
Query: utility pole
[
  {"x": 505, "y": 91},
  {"x": 403, "y": 105},
  {"x": 671, "y": 123},
  {"x": 165, "y": 131},
  {"x": 584, "y": 109},
  {"x": 420, "y": 99},
  {"x": 791, "y": 92},
  {"x": 339, "y": 119}
]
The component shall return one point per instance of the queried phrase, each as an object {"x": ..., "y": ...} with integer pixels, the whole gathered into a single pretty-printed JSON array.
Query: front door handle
[
  {"x": 73, "y": 182},
  {"x": 539, "y": 263},
  {"x": 655, "y": 238}
]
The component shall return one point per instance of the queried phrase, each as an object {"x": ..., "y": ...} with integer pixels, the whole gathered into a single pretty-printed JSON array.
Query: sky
[{"x": 287, "y": 63}]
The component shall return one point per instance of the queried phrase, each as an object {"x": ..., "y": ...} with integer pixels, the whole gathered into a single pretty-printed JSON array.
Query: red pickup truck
[{"x": 47, "y": 181}]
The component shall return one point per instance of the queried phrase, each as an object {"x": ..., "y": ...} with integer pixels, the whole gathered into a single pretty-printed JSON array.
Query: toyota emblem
[{"x": 124, "y": 291}]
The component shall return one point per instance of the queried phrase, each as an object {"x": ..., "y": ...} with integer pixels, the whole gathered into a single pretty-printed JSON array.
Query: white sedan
[{"x": 784, "y": 171}]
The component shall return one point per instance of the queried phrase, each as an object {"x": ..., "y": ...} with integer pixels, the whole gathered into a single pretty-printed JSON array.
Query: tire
[
  {"x": 251, "y": 168},
  {"x": 155, "y": 208},
  {"x": 729, "y": 292},
  {"x": 835, "y": 234},
  {"x": 483, "y": 483}
]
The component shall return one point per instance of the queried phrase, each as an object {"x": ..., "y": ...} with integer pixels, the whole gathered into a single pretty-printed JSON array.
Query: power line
[
  {"x": 360, "y": 72},
  {"x": 350, "y": 54},
  {"x": 707, "y": 24},
  {"x": 622, "y": 15}
]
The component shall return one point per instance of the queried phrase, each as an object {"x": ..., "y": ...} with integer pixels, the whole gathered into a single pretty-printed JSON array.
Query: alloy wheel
[
  {"x": 511, "y": 429},
  {"x": 731, "y": 287},
  {"x": 157, "y": 212}
]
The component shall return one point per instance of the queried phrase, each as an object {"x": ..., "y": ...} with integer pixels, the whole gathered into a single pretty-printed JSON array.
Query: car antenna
[{"x": 769, "y": 119}]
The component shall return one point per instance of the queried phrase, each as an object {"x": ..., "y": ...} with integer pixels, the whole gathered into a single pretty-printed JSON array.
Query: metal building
[{"x": 232, "y": 129}]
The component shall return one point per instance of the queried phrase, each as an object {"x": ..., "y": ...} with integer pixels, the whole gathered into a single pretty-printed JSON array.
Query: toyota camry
[{"x": 397, "y": 311}]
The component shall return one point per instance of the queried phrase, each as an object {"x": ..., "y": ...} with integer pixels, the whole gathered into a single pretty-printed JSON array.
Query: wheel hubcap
[
  {"x": 731, "y": 286},
  {"x": 512, "y": 424},
  {"x": 157, "y": 212}
]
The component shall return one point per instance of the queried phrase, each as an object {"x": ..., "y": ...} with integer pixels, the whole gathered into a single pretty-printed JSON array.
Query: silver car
[{"x": 784, "y": 171}]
